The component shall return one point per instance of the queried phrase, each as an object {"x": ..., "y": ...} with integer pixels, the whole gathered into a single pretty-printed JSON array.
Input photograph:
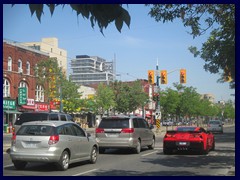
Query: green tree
[
  {"x": 169, "y": 102},
  {"x": 229, "y": 110},
  {"x": 48, "y": 75},
  {"x": 104, "y": 98},
  {"x": 218, "y": 51},
  {"x": 128, "y": 97}
]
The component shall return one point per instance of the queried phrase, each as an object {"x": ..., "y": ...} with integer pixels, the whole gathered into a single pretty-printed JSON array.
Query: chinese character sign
[{"x": 22, "y": 95}]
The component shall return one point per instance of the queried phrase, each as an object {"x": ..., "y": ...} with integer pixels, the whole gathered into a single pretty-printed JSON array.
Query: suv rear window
[
  {"x": 36, "y": 130},
  {"x": 31, "y": 117},
  {"x": 114, "y": 123}
]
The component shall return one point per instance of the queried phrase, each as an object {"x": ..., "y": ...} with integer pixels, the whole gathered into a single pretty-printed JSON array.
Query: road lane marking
[
  {"x": 85, "y": 172},
  {"x": 10, "y": 165},
  {"x": 149, "y": 153}
]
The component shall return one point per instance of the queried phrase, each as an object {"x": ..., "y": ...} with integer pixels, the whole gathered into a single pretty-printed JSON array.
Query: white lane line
[
  {"x": 158, "y": 148},
  {"x": 85, "y": 172},
  {"x": 10, "y": 165},
  {"x": 149, "y": 153}
]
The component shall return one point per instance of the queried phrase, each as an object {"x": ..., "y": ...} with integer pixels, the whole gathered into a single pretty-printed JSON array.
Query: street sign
[
  {"x": 22, "y": 95},
  {"x": 9, "y": 104}
]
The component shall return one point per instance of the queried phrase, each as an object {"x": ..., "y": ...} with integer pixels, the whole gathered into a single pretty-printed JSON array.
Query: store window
[
  {"x": 39, "y": 93},
  {"x": 9, "y": 63},
  {"x": 20, "y": 70},
  {"x": 28, "y": 68}
]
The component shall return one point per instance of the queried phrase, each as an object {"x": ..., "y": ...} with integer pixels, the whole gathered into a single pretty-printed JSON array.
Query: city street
[{"x": 220, "y": 162}]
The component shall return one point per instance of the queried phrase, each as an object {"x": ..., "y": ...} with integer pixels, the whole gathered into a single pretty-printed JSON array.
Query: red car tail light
[
  {"x": 127, "y": 130},
  {"x": 99, "y": 130},
  {"x": 53, "y": 139},
  {"x": 169, "y": 135},
  {"x": 196, "y": 136}
]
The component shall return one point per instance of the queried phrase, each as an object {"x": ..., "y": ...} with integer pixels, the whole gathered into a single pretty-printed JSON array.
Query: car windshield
[
  {"x": 185, "y": 129},
  {"x": 37, "y": 130},
  {"x": 114, "y": 123}
]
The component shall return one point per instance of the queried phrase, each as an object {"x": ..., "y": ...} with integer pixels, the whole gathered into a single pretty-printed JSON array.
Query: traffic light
[
  {"x": 183, "y": 76},
  {"x": 151, "y": 76},
  {"x": 164, "y": 77}
]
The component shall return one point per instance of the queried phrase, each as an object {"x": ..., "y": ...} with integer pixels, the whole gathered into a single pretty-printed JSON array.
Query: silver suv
[
  {"x": 124, "y": 132},
  {"x": 57, "y": 142}
]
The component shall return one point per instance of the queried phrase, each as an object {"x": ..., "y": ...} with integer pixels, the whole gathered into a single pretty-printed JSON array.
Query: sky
[{"x": 136, "y": 49}]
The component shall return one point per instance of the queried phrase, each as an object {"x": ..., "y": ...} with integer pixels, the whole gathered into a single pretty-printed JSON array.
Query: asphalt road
[{"x": 220, "y": 162}]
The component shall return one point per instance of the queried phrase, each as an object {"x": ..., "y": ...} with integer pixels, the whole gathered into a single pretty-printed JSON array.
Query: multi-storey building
[
  {"x": 50, "y": 46},
  {"x": 88, "y": 70},
  {"x": 18, "y": 73}
]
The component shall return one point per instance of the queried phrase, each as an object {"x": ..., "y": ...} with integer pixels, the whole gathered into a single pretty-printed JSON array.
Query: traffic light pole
[{"x": 158, "y": 112}]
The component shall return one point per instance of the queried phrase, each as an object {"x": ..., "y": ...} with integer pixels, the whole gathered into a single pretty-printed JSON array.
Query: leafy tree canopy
[{"x": 100, "y": 14}]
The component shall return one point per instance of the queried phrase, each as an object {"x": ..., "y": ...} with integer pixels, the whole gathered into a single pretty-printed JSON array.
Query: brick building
[{"x": 18, "y": 72}]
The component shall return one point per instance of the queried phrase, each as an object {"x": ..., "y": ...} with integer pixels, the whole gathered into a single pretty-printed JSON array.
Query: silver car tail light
[{"x": 53, "y": 139}]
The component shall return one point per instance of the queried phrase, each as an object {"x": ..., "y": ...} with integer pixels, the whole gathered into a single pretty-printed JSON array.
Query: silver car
[
  {"x": 215, "y": 126},
  {"x": 124, "y": 132},
  {"x": 59, "y": 142}
]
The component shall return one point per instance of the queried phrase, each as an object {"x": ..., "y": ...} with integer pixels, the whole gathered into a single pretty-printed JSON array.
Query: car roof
[
  {"x": 120, "y": 117},
  {"x": 48, "y": 123},
  {"x": 43, "y": 112}
]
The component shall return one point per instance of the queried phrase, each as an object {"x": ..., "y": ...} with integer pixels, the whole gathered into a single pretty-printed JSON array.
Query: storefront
[{"x": 10, "y": 112}]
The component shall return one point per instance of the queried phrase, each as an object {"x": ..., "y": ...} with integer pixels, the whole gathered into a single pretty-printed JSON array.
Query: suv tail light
[
  {"x": 99, "y": 130},
  {"x": 127, "y": 130},
  {"x": 53, "y": 139}
]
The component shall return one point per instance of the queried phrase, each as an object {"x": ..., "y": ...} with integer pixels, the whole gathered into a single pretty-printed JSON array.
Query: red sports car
[{"x": 188, "y": 138}]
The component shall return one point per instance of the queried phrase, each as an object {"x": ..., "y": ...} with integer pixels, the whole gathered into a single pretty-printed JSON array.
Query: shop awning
[
  {"x": 12, "y": 112},
  {"x": 28, "y": 107}
]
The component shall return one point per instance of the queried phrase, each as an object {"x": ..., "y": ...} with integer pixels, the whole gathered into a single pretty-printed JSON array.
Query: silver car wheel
[
  {"x": 93, "y": 156},
  {"x": 64, "y": 161},
  {"x": 152, "y": 146}
]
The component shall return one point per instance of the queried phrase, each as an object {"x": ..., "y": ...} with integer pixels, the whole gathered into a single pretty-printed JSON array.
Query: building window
[
  {"x": 39, "y": 93},
  {"x": 6, "y": 88},
  {"x": 24, "y": 84},
  {"x": 20, "y": 70},
  {"x": 28, "y": 68},
  {"x": 9, "y": 63}
]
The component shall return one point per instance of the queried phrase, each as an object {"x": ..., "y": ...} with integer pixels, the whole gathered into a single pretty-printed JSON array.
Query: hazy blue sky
[{"x": 136, "y": 48}]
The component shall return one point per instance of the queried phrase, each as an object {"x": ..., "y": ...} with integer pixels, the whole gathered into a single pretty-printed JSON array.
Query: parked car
[
  {"x": 167, "y": 123},
  {"x": 124, "y": 132},
  {"x": 60, "y": 142},
  {"x": 188, "y": 138},
  {"x": 215, "y": 126},
  {"x": 40, "y": 116}
]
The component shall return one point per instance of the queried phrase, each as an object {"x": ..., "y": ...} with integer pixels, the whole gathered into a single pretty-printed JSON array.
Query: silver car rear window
[
  {"x": 36, "y": 130},
  {"x": 114, "y": 123}
]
